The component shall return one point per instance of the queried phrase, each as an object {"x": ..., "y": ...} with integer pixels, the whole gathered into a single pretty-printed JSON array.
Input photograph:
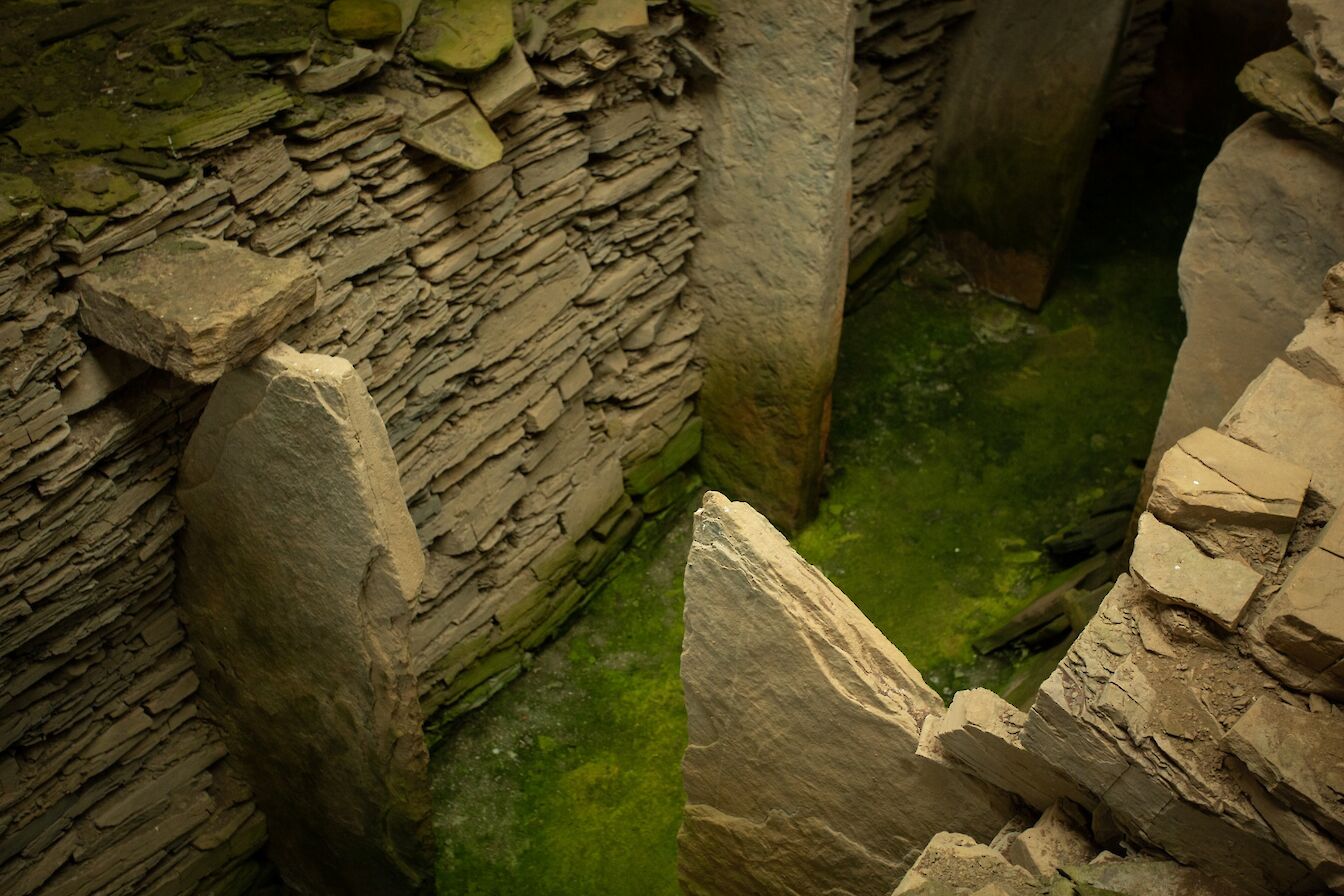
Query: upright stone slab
[
  {"x": 1268, "y": 225},
  {"x": 770, "y": 264},
  {"x": 1025, "y": 95},
  {"x": 801, "y": 775},
  {"x": 299, "y": 565}
]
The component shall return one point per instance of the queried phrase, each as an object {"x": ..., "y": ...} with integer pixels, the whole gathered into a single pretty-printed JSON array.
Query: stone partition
[{"x": 522, "y": 329}]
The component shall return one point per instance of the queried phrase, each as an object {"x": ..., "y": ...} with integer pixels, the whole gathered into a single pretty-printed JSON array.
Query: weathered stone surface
[
  {"x": 1175, "y": 571},
  {"x": 1318, "y": 26},
  {"x": 614, "y": 18},
  {"x": 463, "y": 36},
  {"x": 801, "y": 770},
  {"x": 981, "y": 734},
  {"x": 964, "y": 866},
  {"x": 506, "y": 86},
  {"x": 1318, "y": 351},
  {"x": 1282, "y": 83},
  {"x": 1209, "y": 479},
  {"x": 1334, "y": 287},
  {"x": 1057, "y": 839},
  {"x": 1268, "y": 224},
  {"x": 770, "y": 266},
  {"x": 1025, "y": 95},
  {"x": 194, "y": 307},
  {"x": 1147, "y": 877},
  {"x": 1305, "y": 619},
  {"x": 300, "y": 566},
  {"x": 450, "y": 127},
  {"x": 1293, "y": 416},
  {"x": 1298, "y": 756}
]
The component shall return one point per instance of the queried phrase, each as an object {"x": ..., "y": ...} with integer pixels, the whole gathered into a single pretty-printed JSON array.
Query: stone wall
[
  {"x": 901, "y": 53},
  {"x": 520, "y": 327}
]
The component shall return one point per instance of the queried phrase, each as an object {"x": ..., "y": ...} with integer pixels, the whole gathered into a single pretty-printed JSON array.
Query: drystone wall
[
  {"x": 1191, "y": 741},
  {"x": 501, "y": 265},
  {"x": 900, "y": 59}
]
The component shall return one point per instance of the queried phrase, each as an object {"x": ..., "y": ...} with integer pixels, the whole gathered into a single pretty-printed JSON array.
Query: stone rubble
[{"x": 1190, "y": 742}]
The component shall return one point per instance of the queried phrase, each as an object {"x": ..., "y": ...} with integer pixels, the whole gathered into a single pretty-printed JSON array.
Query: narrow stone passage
[{"x": 962, "y": 426}]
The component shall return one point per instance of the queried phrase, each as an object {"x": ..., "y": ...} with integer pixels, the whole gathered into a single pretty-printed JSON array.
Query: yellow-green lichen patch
[{"x": 463, "y": 36}]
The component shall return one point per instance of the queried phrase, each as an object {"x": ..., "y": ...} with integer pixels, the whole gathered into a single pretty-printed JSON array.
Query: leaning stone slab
[
  {"x": 299, "y": 569},
  {"x": 506, "y": 86},
  {"x": 450, "y": 127},
  {"x": 1289, "y": 414},
  {"x": 1175, "y": 571},
  {"x": 194, "y": 307},
  {"x": 981, "y": 733},
  {"x": 1269, "y": 223},
  {"x": 801, "y": 774},
  {"x": 1282, "y": 84},
  {"x": 463, "y": 36}
]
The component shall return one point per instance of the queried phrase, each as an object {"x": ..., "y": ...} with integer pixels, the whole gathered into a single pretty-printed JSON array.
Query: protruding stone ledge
[
  {"x": 194, "y": 307},
  {"x": 299, "y": 570}
]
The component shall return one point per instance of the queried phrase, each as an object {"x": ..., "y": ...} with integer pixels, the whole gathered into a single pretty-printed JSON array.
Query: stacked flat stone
[
  {"x": 901, "y": 54},
  {"x": 501, "y": 265}
]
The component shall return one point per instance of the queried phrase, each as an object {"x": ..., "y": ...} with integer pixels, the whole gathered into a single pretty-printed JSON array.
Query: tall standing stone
[
  {"x": 1025, "y": 95},
  {"x": 770, "y": 265},
  {"x": 299, "y": 569},
  {"x": 1268, "y": 225},
  {"x": 802, "y": 775}
]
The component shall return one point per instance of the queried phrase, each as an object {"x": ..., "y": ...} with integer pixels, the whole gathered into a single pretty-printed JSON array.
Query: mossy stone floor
[{"x": 965, "y": 431}]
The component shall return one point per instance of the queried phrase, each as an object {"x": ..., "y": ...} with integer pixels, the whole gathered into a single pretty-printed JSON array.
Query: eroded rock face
[
  {"x": 1268, "y": 225},
  {"x": 801, "y": 775},
  {"x": 299, "y": 566}
]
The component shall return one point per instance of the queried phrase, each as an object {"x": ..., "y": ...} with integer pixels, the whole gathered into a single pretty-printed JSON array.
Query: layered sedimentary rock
[
  {"x": 900, "y": 54},
  {"x": 801, "y": 774},
  {"x": 522, "y": 330},
  {"x": 299, "y": 574},
  {"x": 1025, "y": 97},
  {"x": 1268, "y": 224}
]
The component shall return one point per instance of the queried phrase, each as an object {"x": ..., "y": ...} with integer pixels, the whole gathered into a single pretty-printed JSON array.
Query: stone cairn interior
[{"x": 345, "y": 345}]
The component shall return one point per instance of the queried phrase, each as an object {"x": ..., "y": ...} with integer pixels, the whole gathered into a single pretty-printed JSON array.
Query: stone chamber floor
[{"x": 965, "y": 431}]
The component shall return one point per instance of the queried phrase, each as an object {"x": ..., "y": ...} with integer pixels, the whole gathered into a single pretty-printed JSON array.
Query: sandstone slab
[
  {"x": 1269, "y": 223},
  {"x": 463, "y": 36},
  {"x": 1057, "y": 839},
  {"x": 1305, "y": 620},
  {"x": 1318, "y": 26},
  {"x": 194, "y": 307},
  {"x": 450, "y": 127},
  {"x": 1175, "y": 571},
  {"x": 1289, "y": 414},
  {"x": 963, "y": 866},
  {"x": 1282, "y": 83},
  {"x": 1318, "y": 351},
  {"x": 801, "y": 772},
  {"x": 299, "y": 568},
  {"x": 506, "y": 86},
  {"x": 1024, "y": 98}
]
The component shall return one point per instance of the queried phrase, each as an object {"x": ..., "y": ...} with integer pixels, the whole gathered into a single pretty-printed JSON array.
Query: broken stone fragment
[
  {"x": 614, "y": 18},
  {"x": 1305, "y": 619},
  {"x": 1208, "y": 479},
  {"x": 1057, "y": 839},
  {"x": 1318, "y": 351},
  {"x": 1333, "y": 288},
  {"x": 1297, "y": 754},
  {"x": 448, "y": 126},
  {"x": 506, "y": 86},
  {"x": 1318, "y": 26},
  {"x": 194, "y": 307},
  {"x": 1175, "y": 571},
  {"x": 801, "y": 774},
  {"x": 364, "y": 19},
  {"x": 1282, "y": 83},
  {"x": 963, "y": 866},
  {"x": 299, "y": 570},
  {"x": 981, "y": 733},
  {"x": 463, "y": 36}
]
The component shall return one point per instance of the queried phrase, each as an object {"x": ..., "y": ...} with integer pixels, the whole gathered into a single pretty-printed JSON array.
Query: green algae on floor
[
  {"x": 966, "y": 429},
  {"x": 568, "y": 781}
]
